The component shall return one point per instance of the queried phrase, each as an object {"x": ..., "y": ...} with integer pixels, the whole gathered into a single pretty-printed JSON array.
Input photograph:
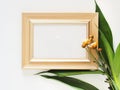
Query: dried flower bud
[
  {"x": 91, "y": 36},
  {"x": 99, "y": 49},
  {"x": 90, "y": 46},
  {"x": 93, "y": 45},
  {"x": 89, "y": 41},
  {"x": 86, "y": 42}
]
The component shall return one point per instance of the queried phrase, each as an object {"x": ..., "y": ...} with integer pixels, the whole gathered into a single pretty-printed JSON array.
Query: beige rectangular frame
[{"x": 29, "y": 19}]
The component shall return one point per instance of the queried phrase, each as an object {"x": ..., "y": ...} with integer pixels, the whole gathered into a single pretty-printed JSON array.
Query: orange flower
[
  {"x": 93, "y": 45},
  {"x": 91, "y": 36},
  {"x": 88, "y": 41}
]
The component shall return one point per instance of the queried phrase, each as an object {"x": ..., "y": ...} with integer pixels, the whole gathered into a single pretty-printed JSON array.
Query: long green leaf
[
  {"x": 73, "y": 82},
  {"x": 117, "y": 61},
  {"x": 108, "y": 50},
  {"x": 104, "y": 26},
  {"x": 62, "y": 73},
  {"x": 115, "y": 85}
]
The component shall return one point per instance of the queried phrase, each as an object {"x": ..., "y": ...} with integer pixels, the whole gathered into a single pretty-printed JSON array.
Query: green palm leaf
[
  {"x": 63, "y": 73},
  {"x": 104, "y": 26},
  {"x": 108, "y": 50},
  {"x": 117, "y": 61},
  {"x": 105, "y": 29},
  {"x": 78, "y": 84}
]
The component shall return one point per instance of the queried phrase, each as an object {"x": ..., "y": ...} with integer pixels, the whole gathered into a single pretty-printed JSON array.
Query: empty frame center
[{"x": 59, "y": 40}]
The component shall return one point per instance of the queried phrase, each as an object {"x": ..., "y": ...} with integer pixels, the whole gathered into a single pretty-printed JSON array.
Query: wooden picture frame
[{"x": 87, "y": 21}]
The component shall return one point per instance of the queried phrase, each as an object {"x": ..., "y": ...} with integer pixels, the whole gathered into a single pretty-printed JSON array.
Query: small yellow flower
[
  {"x": 91, "y": 36},
  {"x": 88, "y": 41},
  {"x": 93, "y": 45},
  {"x": 84, "y": 44}
]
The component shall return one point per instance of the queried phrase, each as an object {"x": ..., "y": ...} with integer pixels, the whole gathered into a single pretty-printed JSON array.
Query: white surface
[
  {"x": 12, "y": 77},
  {"x": 59, "y": 40}
]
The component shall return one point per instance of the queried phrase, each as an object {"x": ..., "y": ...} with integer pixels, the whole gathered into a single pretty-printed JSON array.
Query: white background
[{"x": 12, "y": 77}]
